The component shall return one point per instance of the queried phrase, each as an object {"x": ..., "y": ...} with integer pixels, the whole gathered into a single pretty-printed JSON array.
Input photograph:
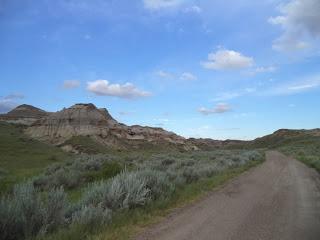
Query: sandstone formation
[{"x": 98, "y": 124}]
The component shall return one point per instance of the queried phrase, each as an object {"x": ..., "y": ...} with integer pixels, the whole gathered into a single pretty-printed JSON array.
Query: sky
[{"x": 220, "y": 69}]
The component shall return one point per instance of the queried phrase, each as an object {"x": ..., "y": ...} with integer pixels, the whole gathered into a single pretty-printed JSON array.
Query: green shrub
[
  {"x": 91, "y": 217},
  {"x": 26, "y": 214},
  {"x": 56, "y": 207},
  {"x": 10, "y": 223},
  {"x": 157, "y": 182},
  {"x": 31, "y": 211}
]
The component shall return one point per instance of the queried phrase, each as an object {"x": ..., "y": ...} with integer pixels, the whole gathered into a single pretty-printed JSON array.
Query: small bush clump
[
  {"x": 26, "y": 214},
  {"x": 75, "y": 173},
  {"x": 91, "y": 217}
]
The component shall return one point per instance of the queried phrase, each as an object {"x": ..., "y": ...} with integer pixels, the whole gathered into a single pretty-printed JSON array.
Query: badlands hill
[
  {"x": 24, "y": 114},
  {"x": 86, "y": 120}
]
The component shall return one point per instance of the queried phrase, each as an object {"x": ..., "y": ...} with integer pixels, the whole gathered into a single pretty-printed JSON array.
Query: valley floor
[{"x": 279, "y": 199}]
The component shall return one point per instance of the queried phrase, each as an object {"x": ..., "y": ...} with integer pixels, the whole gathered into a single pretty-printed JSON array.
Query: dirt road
[{"x": 279, "y": 199}]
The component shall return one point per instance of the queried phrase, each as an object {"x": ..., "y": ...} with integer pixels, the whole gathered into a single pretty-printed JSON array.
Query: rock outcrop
[
  {"x": 24, "y": 114},
  {"x": 98, "y": 124}
]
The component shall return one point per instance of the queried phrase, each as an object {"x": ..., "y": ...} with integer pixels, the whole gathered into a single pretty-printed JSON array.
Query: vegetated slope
[
  {"x": 284, "y": 137},
  {"x": 211, "y": 144},
  {"x": 305, "y": 148},
  {"x": 304, "y": 145},
  {"x": 61, "y": 127},
  {"x": 21, "y": 156}
]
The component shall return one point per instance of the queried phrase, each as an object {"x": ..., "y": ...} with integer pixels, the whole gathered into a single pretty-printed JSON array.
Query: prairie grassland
[{"x": 113, "y": 192}]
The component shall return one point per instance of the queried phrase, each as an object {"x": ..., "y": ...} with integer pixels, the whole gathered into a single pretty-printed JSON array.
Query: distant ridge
[
  {"x": 86, "y": 120},
  {"x": 286, "y": 136},
  {"x": 24, "y": 114},
  {"x": 84, "y": 124}
]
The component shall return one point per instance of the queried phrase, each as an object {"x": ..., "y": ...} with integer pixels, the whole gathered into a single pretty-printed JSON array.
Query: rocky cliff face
[
  {"x": 24, "y": 114},
  {"x": 98, "y": 124}
]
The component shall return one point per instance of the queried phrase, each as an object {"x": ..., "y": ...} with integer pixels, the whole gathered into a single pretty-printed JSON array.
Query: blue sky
[{"x": 204, "y": 68}]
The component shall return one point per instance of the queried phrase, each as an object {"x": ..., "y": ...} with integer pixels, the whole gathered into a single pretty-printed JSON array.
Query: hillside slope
[
  {"x": 21, "y": 157},
  {"x": 24, "y": 114},
  {"x": 285, "y": 137},
  {"x": 86, "y": 120}
]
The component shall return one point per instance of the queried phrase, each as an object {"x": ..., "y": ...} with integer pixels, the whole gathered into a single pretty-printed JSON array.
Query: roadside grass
[
  {"x": 127, "y": 223},
  {"x": 306, "y": 150},
  {"x": 22, "y": 157}
]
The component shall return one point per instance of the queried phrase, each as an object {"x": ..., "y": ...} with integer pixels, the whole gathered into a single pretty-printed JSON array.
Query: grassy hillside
[
  {"x": 22, "y": 157},
  {"x": 287, "y": 137},
  {"x": 85, "y": 144}
]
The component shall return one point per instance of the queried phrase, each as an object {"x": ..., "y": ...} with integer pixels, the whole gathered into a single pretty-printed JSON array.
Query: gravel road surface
[{"x": 280, "y": 199}]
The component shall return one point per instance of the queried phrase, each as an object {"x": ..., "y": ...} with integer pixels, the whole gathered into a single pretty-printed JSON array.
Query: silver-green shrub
[
  {"x": 92, "y": 216},
  {"x": 55, "y": 209},
  {"x": 10, "y": 222},
  {"x": 157, "y": 182},
  {"x": 30, "y": 208},
  {"x": 26, "y": 214}
]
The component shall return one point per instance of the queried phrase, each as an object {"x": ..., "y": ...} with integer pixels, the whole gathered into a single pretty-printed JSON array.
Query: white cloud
[
  {"x": 227, "y": 96},
  {"x": 302, "y": 87},
  {"x": 70, "y": 84},
  {"x": 265, "y": 69},
  {"x": 219, "y": 108},
  {"x": 186, "y": 76},
  {"x": 13, "y": 96},
  {"x": 258, "y": 70},
  {"x": 287, "y": 43},
  {"x": 227, "y": 60},
  {"x": 224, "y": 96},
  {"x": 299, "y": 20},
  {"x": 127, "y": 90},
  {"x": 6, "y": 106},
  {"x": 305, "y": 85},
  {"x": 193, "y": 9},
  {"x": 166, "y": 120},
  {"x": 161, "y": 4},
  {"x": 8, "y": 102},
  {"x": 164, "y": 74}
]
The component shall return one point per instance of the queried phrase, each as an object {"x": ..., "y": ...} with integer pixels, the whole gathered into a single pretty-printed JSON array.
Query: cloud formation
[
  {"x": 299, "y": 20},
  {"x": 295, "y": 87},
  {"x": 224, "y": 59},
  {"x": 71, "y": 84},
  {"x": 8, "y": 102},
  {"x": 193, "y": 9},
  {"x": 127, "y": 90},
  {"x": 161, "y": 4},
  {"x": 265, "y": 69},
  {"x": 164, "y": 74},
  {"x": 219, "y": 108},
  {"x": 187, "y": 76}
]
